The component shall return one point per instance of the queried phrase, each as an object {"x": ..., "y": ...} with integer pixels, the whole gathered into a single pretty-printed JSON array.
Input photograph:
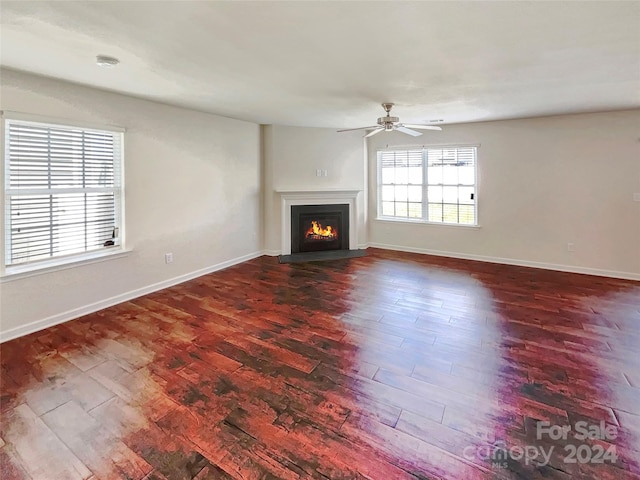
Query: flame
[{"x": 318, "y": 230}]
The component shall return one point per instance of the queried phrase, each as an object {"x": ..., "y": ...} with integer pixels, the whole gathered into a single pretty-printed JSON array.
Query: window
[
  {"x": 62, "y": 192},
  {"x": 436, "y": 185}
]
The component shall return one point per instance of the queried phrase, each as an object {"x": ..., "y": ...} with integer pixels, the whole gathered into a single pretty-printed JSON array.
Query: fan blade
[
  {"x": 422, "y": 127},
  {"x": 408, "y": 131},
  {"x": 371, "y": 134},
  {"x": 359, "y": 128}
]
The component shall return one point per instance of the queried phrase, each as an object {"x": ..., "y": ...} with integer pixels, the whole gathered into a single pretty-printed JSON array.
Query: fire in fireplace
[
  {"x": 319, "y": 227},
  {"x": 318, "y": 233}
]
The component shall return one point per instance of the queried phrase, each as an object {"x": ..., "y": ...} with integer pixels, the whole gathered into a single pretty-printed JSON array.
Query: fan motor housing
[{"x": 382, "y": 121}]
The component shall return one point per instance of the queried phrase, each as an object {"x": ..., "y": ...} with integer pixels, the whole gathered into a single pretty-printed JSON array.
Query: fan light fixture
[
  {"x": 106, "y": 61},
  {"x": 389, "y": 124}
]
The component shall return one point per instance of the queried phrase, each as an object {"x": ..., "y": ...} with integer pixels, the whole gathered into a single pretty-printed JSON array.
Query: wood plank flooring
[{"x": 390, "y": 366}]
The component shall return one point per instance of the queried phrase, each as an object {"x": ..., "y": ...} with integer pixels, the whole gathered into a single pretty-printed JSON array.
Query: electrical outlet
[
  {"x": 571, "y": 247},
  {"x": 636, "y": 197},
  {"x": 318, "y": 173},
  {"x": 325, "y": 173},
  {"x": 168, "y": 257}
]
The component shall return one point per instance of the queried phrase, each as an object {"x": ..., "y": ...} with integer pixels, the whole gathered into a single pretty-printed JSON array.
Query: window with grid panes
[
  {"x": 62, "y": 192},
  {"x": 435, "y": 185}
]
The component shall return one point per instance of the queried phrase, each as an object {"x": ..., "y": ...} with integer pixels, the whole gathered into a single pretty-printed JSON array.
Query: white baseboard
[
  {"x": 512, "y": 261},
  {"x": 124, "y": 297}
]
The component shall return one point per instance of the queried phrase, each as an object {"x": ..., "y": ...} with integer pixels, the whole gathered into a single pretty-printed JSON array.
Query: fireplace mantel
[{"x": 317, "y": 197}]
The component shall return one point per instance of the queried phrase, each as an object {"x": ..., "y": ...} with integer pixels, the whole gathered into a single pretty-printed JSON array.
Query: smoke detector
[{"x": 106, "y": 61}]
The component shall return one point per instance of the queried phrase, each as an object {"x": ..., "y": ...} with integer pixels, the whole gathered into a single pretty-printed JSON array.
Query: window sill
[
  {"x": 423, "y": 222},
  {"x": 29, "y": 270}
]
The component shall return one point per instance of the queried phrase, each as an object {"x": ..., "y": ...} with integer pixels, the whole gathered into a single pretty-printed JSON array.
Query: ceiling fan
[{"x": 389, "y": 123}]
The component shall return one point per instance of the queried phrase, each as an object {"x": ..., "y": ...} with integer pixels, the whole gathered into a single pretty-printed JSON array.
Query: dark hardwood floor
[{"x": 390, "y": 366}]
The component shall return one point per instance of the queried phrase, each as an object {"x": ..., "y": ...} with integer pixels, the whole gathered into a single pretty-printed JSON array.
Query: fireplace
[
  {"x": 318, "y": 228},
  {"x": 348, "y": 231}
]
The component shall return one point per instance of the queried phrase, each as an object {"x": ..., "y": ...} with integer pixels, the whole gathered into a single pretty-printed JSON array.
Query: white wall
[
  {"x": 192, "y": 187},
  {"x": 543, "y": 182},
  {"x": 291, "y": 157}
]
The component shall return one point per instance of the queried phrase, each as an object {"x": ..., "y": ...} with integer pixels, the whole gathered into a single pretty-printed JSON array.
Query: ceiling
[{"x": 331, "y": 63}]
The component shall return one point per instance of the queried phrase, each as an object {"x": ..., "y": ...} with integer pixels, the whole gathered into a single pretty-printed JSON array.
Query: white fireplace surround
[{"x": 318, "y": 197}]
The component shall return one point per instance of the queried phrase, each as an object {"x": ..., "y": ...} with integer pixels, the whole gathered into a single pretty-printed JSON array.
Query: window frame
[
  {"x": 425, "y": 184},
  {"x": 54, "y": 263}
]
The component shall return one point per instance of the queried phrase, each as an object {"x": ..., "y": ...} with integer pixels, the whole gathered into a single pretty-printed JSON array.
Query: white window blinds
[{"x": 62, "y": 190}]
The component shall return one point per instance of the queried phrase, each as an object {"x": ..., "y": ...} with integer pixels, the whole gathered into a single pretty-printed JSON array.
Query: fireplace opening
[{"x": 317, "y": 228}]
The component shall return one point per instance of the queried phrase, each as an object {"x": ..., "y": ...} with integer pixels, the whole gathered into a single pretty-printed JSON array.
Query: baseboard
[
  {"x": 512, "y": 261},
  {"x": 124, "y": 297}
]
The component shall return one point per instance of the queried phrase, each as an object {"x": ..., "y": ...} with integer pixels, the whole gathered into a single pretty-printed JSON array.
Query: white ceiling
[{"x": 330, "y": 64}]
